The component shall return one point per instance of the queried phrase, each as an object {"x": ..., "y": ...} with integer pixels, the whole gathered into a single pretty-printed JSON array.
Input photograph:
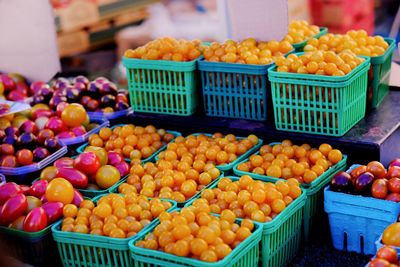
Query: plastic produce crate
[
  {"x": 25, "y": 174},
  {"x": 318, "y": 104},
  {"x": 2, "y": 179},
  {"x": 162, "y": 86},
  {"x": 356, "y": 222},
  {"x": 379, "y": 75},
  {"x": 246, "y": 254},
  {"x": 229, "y": 167},
  {"x": 83, "y": 138},
  {"x": 36, "y": 248},
  {"x": 110, "y": 116},
  {"x": 314, "y": 191},
  {"x": 281, "y": 237},
  {"x": 81, "y": 149},
  {"x": 300, "y": 46},
  {"x": 78, "y": 249}
]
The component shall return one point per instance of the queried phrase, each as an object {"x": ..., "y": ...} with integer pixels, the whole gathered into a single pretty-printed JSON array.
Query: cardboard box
[{"x": 70, "y": 43}]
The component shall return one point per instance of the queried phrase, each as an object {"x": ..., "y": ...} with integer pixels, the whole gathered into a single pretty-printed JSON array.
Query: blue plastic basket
[
  {"x": 2, "y": 179},
  {"x": 81, "y": 149},
  {"x": 356, "y": 221},
  {"x": 83, "y": 138},
  {"x": 29, "y": 169},
  {"x": 98, "y": 115}
]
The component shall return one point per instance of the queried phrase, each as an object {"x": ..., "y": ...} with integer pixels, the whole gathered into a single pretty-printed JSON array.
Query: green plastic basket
[
  {"x": 379, "y": 75},
  {"x": 244, "y": 255},
  {"x": 300, "y": 46},
  {"x": 81, "y": 149},
  {"x": 36, "y": 248},
  {"x": 162, "y": 86},
  {"x": 315, "y": 194},
  {"x": 318, "y": 104},
  {"x": 229, "y": 167},
  {"x": 78, "y": 249},
  {"x": 281, "y": 237}
]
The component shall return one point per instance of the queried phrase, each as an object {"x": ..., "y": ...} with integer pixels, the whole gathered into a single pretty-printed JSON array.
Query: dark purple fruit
[
  {"x": 92, "y": 105},
  {"x": 40, "y": 153},
  {"x": 81, "y": 79},
  {"x": 80, "y": 87},
  {"x": 101, "y": 80},
  {"x": 362, "y": 184},
  {"x": 108, "y": 88},
  {"x": 55, "y": 100},
  {"x": 341, "y": 182},
  {"x": 2, "y": 134},
  {"x": 51, "y": 144},
  {"x": 107, "y": 101},
  {"x": 123, "y": 92},
  {"x": 37, "y": 99},
  {"x": 121, "y": 106},
  {"x": 10, "y": 139},
  {"x": 122, "y": 98},
  {"x": 28, "y": 127},
  {"x": 45, "y": 91},
  {"x": 10, "y": 131},
  {"x": 72, "y": 94},
  {"x": 85, "y": 100},
  {"x": 93, "y": 88},
  {"x": 61, "y": 83},
  {"x": 27, "y": 140}
]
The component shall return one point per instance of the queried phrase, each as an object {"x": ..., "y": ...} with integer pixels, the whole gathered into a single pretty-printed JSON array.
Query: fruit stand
[{"x": 247, "y": 153}]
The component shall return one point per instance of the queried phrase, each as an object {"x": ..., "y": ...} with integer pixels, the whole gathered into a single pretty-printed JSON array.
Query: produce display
[
  {"x": 94, "y": 169},
  {"x": 248, "y": 198},
  {"x": 193, "y": 232},
  {"x": 168, "y": 48},
  {"x": 31, "y": 209},
  {"x": 217, "y": 149},
  {"x": 356, "y": 41},
  {"x": 285, "y": 160},
  {"x": 300, "y": 31},
  {"x": 15, "y": 87},
  {"x": 386, "y": 256},
  {"x": 319, "y": 63},
  {"x": 133, "y": 142},
  {"x": 99, "y": 95},
  {"x": 370, "y": 180},
  {"x": 113, "y": 215},
  {"x": 248, "y": 51},
  {"x": 24, "y": 141}
]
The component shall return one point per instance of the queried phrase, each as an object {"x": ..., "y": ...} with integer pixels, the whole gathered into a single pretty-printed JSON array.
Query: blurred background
[{"x": 93, "y": 34}]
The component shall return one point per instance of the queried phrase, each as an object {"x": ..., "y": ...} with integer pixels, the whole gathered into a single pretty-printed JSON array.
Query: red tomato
[
  {"x": 377, "y": 169},
  {"x": 395, "y": 197},
  {"x": 61, "y": 190},
  {"x": 13, "y": 208},
  {"x": 388, "y": 253},
  {"x": 36, "y": 220},
  {"x": 394, "y": 185},
  {"x": 88, "y": 163},
  {"x": 393, "y": 171},
  {"x": 78, "y": 198},
  {"x": 358, "y": 171},
  {"x": 8, "y": 190},
  {"x": 25, "y": 189},
  {"x": 100, "y": 152},
  {"x": 64, "y": 162},
  {"x": 77, "y": 178},
  {"x": 54, "y": 211},
  {"x": 379, "y": 263},
  {"x": 24, "y": 157},
  {"x": 379, "y": 188},
  {"x": 38, "y": 188}
]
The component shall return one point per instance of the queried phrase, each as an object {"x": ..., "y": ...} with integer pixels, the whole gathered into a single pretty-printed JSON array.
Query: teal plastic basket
[
  {"x": 281, "y": 237},
  {"x": 319, "y": 104},
  {"x": 300, "y": 46},
  {"x": 81, "y": 149},
  {"x": 78, "y": 249},
  {"x": 379, "y": 75},
  {"x": 162, "y": 86},
  {"x": 229, "y": 167},
  {"x": 35, "y": 248},
  {"x": 244, "y": 255},
  {"x": 315, "y": 191}
]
